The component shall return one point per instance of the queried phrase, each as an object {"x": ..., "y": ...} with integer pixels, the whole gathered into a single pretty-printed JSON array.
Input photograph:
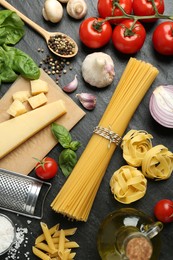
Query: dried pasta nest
[
  {"x": 135, "y": 145},
  {"x": 128, "y": 184},
  {"x": 158, "y": 163}
]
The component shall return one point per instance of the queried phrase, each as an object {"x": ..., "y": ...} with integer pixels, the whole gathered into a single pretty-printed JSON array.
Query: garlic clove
[
  {"x": 72, "y": 86},
  {"x": 87, "y": 100}
]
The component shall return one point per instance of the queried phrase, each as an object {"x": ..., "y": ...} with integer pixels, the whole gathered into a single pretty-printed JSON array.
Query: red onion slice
[{"x": 161, "y": 105}]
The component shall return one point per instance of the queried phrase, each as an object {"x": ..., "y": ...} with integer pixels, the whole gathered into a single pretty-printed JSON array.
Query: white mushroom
[
  {"x": 63, "y": 1},
  {"x": 98, "y": 69},
  {"x": 76, "y": 8},
  {"x": 52, "y": 11}
]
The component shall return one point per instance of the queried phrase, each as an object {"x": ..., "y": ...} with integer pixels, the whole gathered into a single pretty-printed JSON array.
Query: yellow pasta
[
  {"x": 61, "y": 244},
  {"x": 47, "y": 235},
  {"x": 76, "y": 197},
  {"x": 128, "y": 184},
  {"x": 54, "y": 245},
  {"x": 158, "y": 163},
  {"x": 40, "y": 253},
  {"x": 135, "y": 144},
  {"x": 52, "y": 230},
  {"x": 67, "y": 232},
  {"x": 46, "y": 248}
]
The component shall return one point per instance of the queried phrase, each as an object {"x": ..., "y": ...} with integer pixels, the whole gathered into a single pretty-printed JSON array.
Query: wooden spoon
[{"x": 47, "y": 35}]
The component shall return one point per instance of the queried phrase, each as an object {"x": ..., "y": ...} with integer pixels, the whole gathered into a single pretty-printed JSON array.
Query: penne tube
[
  {"x": 47, "y": 235},
  {"x": 61, "y": 243},
  {"x": 37, "y": 252},
  {"x": 46, "y": 248},
  {"x": 71, "y": 244},
  {"x": 67, "y": 232},
  {"x": 52, "y": 230}
]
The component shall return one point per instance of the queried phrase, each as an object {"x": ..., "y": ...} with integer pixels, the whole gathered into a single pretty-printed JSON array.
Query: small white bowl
[{"x": 14, "y": 237}]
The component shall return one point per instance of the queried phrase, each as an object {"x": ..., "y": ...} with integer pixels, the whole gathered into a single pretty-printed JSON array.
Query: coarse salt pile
[{"x": 7, "y": 233}]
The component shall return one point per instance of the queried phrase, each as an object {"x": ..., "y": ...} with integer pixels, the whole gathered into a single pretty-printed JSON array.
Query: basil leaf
[
  {"x": 61, "y": 134},
  {"x": 67, "y": 161},
  {"x": 6, "y": 72},
  {"x": 21, "y": 63},
  {"x": 11, "y": 27},
  {"x": 74, "y": 145}
]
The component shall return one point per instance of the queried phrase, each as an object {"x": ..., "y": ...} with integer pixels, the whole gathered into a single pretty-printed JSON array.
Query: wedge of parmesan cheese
[
  {"x": 15, "y": 131},
  {"x": 17, "y": 108},
  {"x": 38, "y": 86},
  {"x": 22, "y": 95},
  {"x": 37, "y": 100}
]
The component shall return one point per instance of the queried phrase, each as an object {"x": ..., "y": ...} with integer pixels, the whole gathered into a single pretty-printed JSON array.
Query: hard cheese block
[
  {"x": 38, "y": 146},
  {"x": 14, "y": 132}
]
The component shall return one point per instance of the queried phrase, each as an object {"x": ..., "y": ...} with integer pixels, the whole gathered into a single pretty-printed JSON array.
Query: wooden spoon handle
[{"x": 35, "y": 26}]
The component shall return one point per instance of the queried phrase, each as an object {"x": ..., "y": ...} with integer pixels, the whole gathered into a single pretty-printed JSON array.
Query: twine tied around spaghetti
[{"x": 108, "y": 134}]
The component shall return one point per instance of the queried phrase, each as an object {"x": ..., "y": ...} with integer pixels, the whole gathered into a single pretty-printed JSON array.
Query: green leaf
[
  {"x": 11, "y": 27},
  {"x": 61, "y": 134},
  {"x": 74, "y": 145},
  {"x": 22, "y": 63},
  {"x": 67, "y": 161}
]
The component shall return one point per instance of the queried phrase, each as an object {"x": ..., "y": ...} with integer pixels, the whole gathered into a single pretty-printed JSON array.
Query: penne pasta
[
  {"x": 61, "y": 243},
  {"x": 47, "y": 235},
  {"x": 52, "y": 231},
  {"x": 67, "y": 232},
  {"x": 46, "y": 248},
  {"x": 40, "y": 254}
]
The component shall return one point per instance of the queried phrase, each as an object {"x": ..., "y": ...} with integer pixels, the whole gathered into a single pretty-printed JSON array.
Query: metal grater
[{"x": 19, "y": 193}]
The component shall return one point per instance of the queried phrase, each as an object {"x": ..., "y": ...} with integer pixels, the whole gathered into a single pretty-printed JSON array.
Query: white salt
[{"x": 6, "y": 233}]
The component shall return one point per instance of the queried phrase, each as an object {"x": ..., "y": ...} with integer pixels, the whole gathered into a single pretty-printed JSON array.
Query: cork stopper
[{"x": 138, "y": 248}]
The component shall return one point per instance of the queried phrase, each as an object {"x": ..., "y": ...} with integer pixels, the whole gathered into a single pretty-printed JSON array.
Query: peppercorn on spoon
[{"x": 59, "y": 43}]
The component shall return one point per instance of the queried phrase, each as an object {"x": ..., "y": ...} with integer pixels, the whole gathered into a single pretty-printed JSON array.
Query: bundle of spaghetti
[{"x": 76, "y": 197}]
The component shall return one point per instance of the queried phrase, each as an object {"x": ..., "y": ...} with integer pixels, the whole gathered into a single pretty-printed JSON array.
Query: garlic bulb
[
  {"x": 76, "y": 8},
  {"x": 52, "y": 11},
  {"x": 98, "y": 69}
]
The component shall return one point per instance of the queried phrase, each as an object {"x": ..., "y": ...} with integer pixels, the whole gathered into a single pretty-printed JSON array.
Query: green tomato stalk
[{"x": 98, "y": 24}]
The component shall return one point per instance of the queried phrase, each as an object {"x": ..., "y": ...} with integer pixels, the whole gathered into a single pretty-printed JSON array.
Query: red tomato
[
  {"x": 107, "y": 8},
  {"x": 163, "y": 38},
  {"x": 128, "y": 40},
  {"x": 46, "y": 168},
  {"x": 145, "y": 8},
  {"x": 95, "y": 34},
  {"x": 163, "y": 210}
]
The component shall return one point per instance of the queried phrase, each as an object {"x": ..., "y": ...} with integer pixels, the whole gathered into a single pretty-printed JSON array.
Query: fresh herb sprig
[{"x": 68, "y": 157}]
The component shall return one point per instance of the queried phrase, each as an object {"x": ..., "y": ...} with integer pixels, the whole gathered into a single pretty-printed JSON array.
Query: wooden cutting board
[{"x": 21, "y": 159}]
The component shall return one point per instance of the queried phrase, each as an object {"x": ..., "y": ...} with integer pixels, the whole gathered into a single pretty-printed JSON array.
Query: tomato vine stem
[{"x": 157, "y": 15}]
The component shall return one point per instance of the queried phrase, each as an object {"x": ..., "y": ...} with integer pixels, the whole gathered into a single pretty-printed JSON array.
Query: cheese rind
[{"x": 15, "y": 131}]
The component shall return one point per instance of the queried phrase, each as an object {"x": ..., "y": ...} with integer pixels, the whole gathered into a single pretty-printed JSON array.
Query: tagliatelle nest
[
  {"x": 128, "y": 184},
  {"x": 158, "y": 163},
  {"x": 135, "y": 144}
]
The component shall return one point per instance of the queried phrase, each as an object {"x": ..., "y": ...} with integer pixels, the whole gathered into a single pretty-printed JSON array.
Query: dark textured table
[{"x": 104, "y": 202}]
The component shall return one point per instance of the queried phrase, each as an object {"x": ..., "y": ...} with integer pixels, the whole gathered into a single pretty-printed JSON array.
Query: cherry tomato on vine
[
  {"x": 145, "y": 8},
  {"x": 163, "y": 38},
  {"x": 107, "y": 8},
  {"x": 46, "y": 169},
  {"x": 95, "y": 34},
  {"x": 126, "y": 39},
  {"x": 163, "y": 210}
]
